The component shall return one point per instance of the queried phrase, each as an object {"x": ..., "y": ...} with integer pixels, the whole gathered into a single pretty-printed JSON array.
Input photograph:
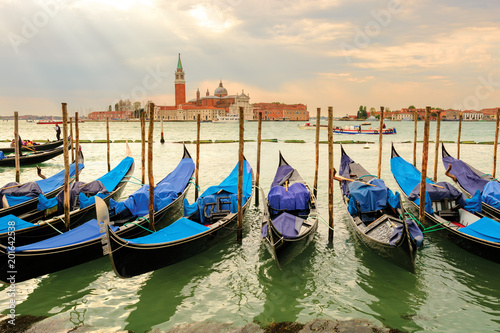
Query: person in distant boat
[
  {"x": 359, "y": 129},
  {"x": 383, "y": 126},
  {"x": 58, "y": 132}
]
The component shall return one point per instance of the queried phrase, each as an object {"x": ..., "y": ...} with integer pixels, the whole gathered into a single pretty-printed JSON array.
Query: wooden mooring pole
[
  {"x": 66, "y": 165},
  {"x": 239, "y": 236},
  {"x": 150, "y": 168},
  {"x": 495, "y": 145},
  {"x": 425, "y": 158},
  {"x": 318, "y": 127},
  {"x": 259, "y": 143},
  {"x": 197, "y": 169},
  {"x": 381, "y": 128},
  {"x": 459, "y": 134},
  {"x": 143, "y": 147},
  {"x": 17, "y": 147},
  {"x": 436, "y": 146},
  {"x": 415, "y": 117},
  {"x": 77, "y": 148},
  {"x": 107, "y": 145},
  {"x": 162, "y": 140},
  {"x": 71, "y": 142},
  {"x": 330, "y": 174}
]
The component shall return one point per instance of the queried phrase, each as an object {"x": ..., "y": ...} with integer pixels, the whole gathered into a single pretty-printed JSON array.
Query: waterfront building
[
  {"x": 209, "y": 107},
  {"x": 279, "y": 111}
]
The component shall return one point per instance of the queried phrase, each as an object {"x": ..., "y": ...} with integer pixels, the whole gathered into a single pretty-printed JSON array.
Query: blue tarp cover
[
  {"x": 288, "y": 225},
  {"x": 166, "y": 191},
  {"x": 87, "y": 231},
  {"x": 474, "y": 204},
  {"x": 2, "y": 156},
  {"x": 466, "y": 177},
  {"x": 18, "y": 223},
  {"x": 491, "y": 194},
  {"x": 282, "y": 174},
  {"x": 296, "y": 198},
  {"x": 51, "y": 183},
  {"x": 405, "y": 174},
  {"x": 370, "y": 198},
  {"x": 180, "y": 229},
  {"x": 115, "y": 176},
  {"x": 413, "y": 230},
  {"x": 228, "y": 187},
  {"x": 344, "y": 171},
  {"x": 484, "y": 228},
  {"x": 436, "y": 194}
]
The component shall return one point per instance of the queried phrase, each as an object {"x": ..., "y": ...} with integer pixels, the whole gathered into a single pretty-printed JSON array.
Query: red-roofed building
[{"x": 278, "y": 111}]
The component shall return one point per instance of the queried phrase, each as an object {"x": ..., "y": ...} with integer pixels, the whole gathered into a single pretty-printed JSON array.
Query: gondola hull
[
  {"x": 30, "y": 264},
  {"x": 403, "y": 254},
  {"x": 488, "y": 209},
  {"x": 40, "y": 147},
  {"x": 285, "y": 250},
  {"x": 35, "y": 158},
  {"x": 54, "y": 226},
  {"x": 129, "y": 260},
  {"x": 486, "y": 249},
  {"x": 479, "y": 247},
  {"x": 404, "y": 251}
]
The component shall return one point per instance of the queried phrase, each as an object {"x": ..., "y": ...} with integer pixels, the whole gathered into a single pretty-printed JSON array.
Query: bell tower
[{"x": 180, "y": 84}]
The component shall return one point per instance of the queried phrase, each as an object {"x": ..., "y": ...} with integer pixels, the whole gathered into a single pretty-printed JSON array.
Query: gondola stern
[{"x": 394, "y": 153}]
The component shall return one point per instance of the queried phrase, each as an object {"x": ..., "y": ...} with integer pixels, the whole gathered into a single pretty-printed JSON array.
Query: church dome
[{"x": 220, "y": 90}]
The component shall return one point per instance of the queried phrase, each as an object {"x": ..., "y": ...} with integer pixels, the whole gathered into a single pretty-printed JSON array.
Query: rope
[
  {"x": 197, "y": 187},
  {"x": 367, "y": 176},
  {"x": 487, "y": 174},
  {"x": 428, "y": 229},
  {"x": 139, "y": 226},
  {"x": 322, "y": 219},
  {"x": 50, "y": 225}
]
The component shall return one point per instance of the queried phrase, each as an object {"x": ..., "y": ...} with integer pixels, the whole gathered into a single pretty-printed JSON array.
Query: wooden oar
[
  {"x": 447, "y": 173},
  {"x": 340, "y": 178},
  {"x": 436, "y": 185}
]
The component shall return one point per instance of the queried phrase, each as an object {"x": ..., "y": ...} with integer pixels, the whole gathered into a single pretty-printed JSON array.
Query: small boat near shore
[
  {"x": 31, "y": 158},
  {"x": 35, "y": 147},
  {"x": 311, "y": 126}
]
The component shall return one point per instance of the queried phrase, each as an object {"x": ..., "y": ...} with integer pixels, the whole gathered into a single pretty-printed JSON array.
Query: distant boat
[
  {"x": 230, "y": 118},
  {"x": 312, "y": 126}
]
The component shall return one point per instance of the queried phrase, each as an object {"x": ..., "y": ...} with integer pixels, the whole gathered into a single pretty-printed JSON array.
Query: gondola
[
  {"x": 82, "y": 244},
  {"x": 17, "y": 199},
  {"x": 38, "y": 147},
  {"x": 290, "y": 219},
  {"x": 376, "y": 216},
  {"x": 31, "y": 158},
  {"x": 458, "y": 218},
  {"x": 470, "y": 180},
  {"x": 48, "y": 219},
  {"x": 207, "y": 221}
]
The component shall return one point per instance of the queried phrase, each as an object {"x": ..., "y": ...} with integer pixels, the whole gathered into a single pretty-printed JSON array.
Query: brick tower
[{"x": 180, "y": 84}]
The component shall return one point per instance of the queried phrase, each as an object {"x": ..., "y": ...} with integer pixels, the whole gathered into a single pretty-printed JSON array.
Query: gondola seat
[{"x": 216, "y": 206}]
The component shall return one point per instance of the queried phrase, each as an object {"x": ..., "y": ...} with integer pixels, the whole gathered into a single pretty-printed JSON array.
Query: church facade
[{"x": 209, "y": 107}]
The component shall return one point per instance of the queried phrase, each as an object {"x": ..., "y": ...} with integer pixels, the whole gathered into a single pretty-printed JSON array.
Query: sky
[{"x": 339, "y": 53}]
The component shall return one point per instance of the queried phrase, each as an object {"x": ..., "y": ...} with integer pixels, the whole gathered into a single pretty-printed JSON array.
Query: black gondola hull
[
  {"x": 40, "y": 147},
  {"x": 35, "y": 158},
  {"x": 31, "y": 264},
  {"x": 482, "y": 248},
  {"x": 130, "y": 260},
  {"x": 285, "y": 250},
  {"x": 77, "y": 217}
]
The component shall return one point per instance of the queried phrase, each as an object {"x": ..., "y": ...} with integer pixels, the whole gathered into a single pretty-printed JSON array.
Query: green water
[{"x": 451, "y": 291}]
